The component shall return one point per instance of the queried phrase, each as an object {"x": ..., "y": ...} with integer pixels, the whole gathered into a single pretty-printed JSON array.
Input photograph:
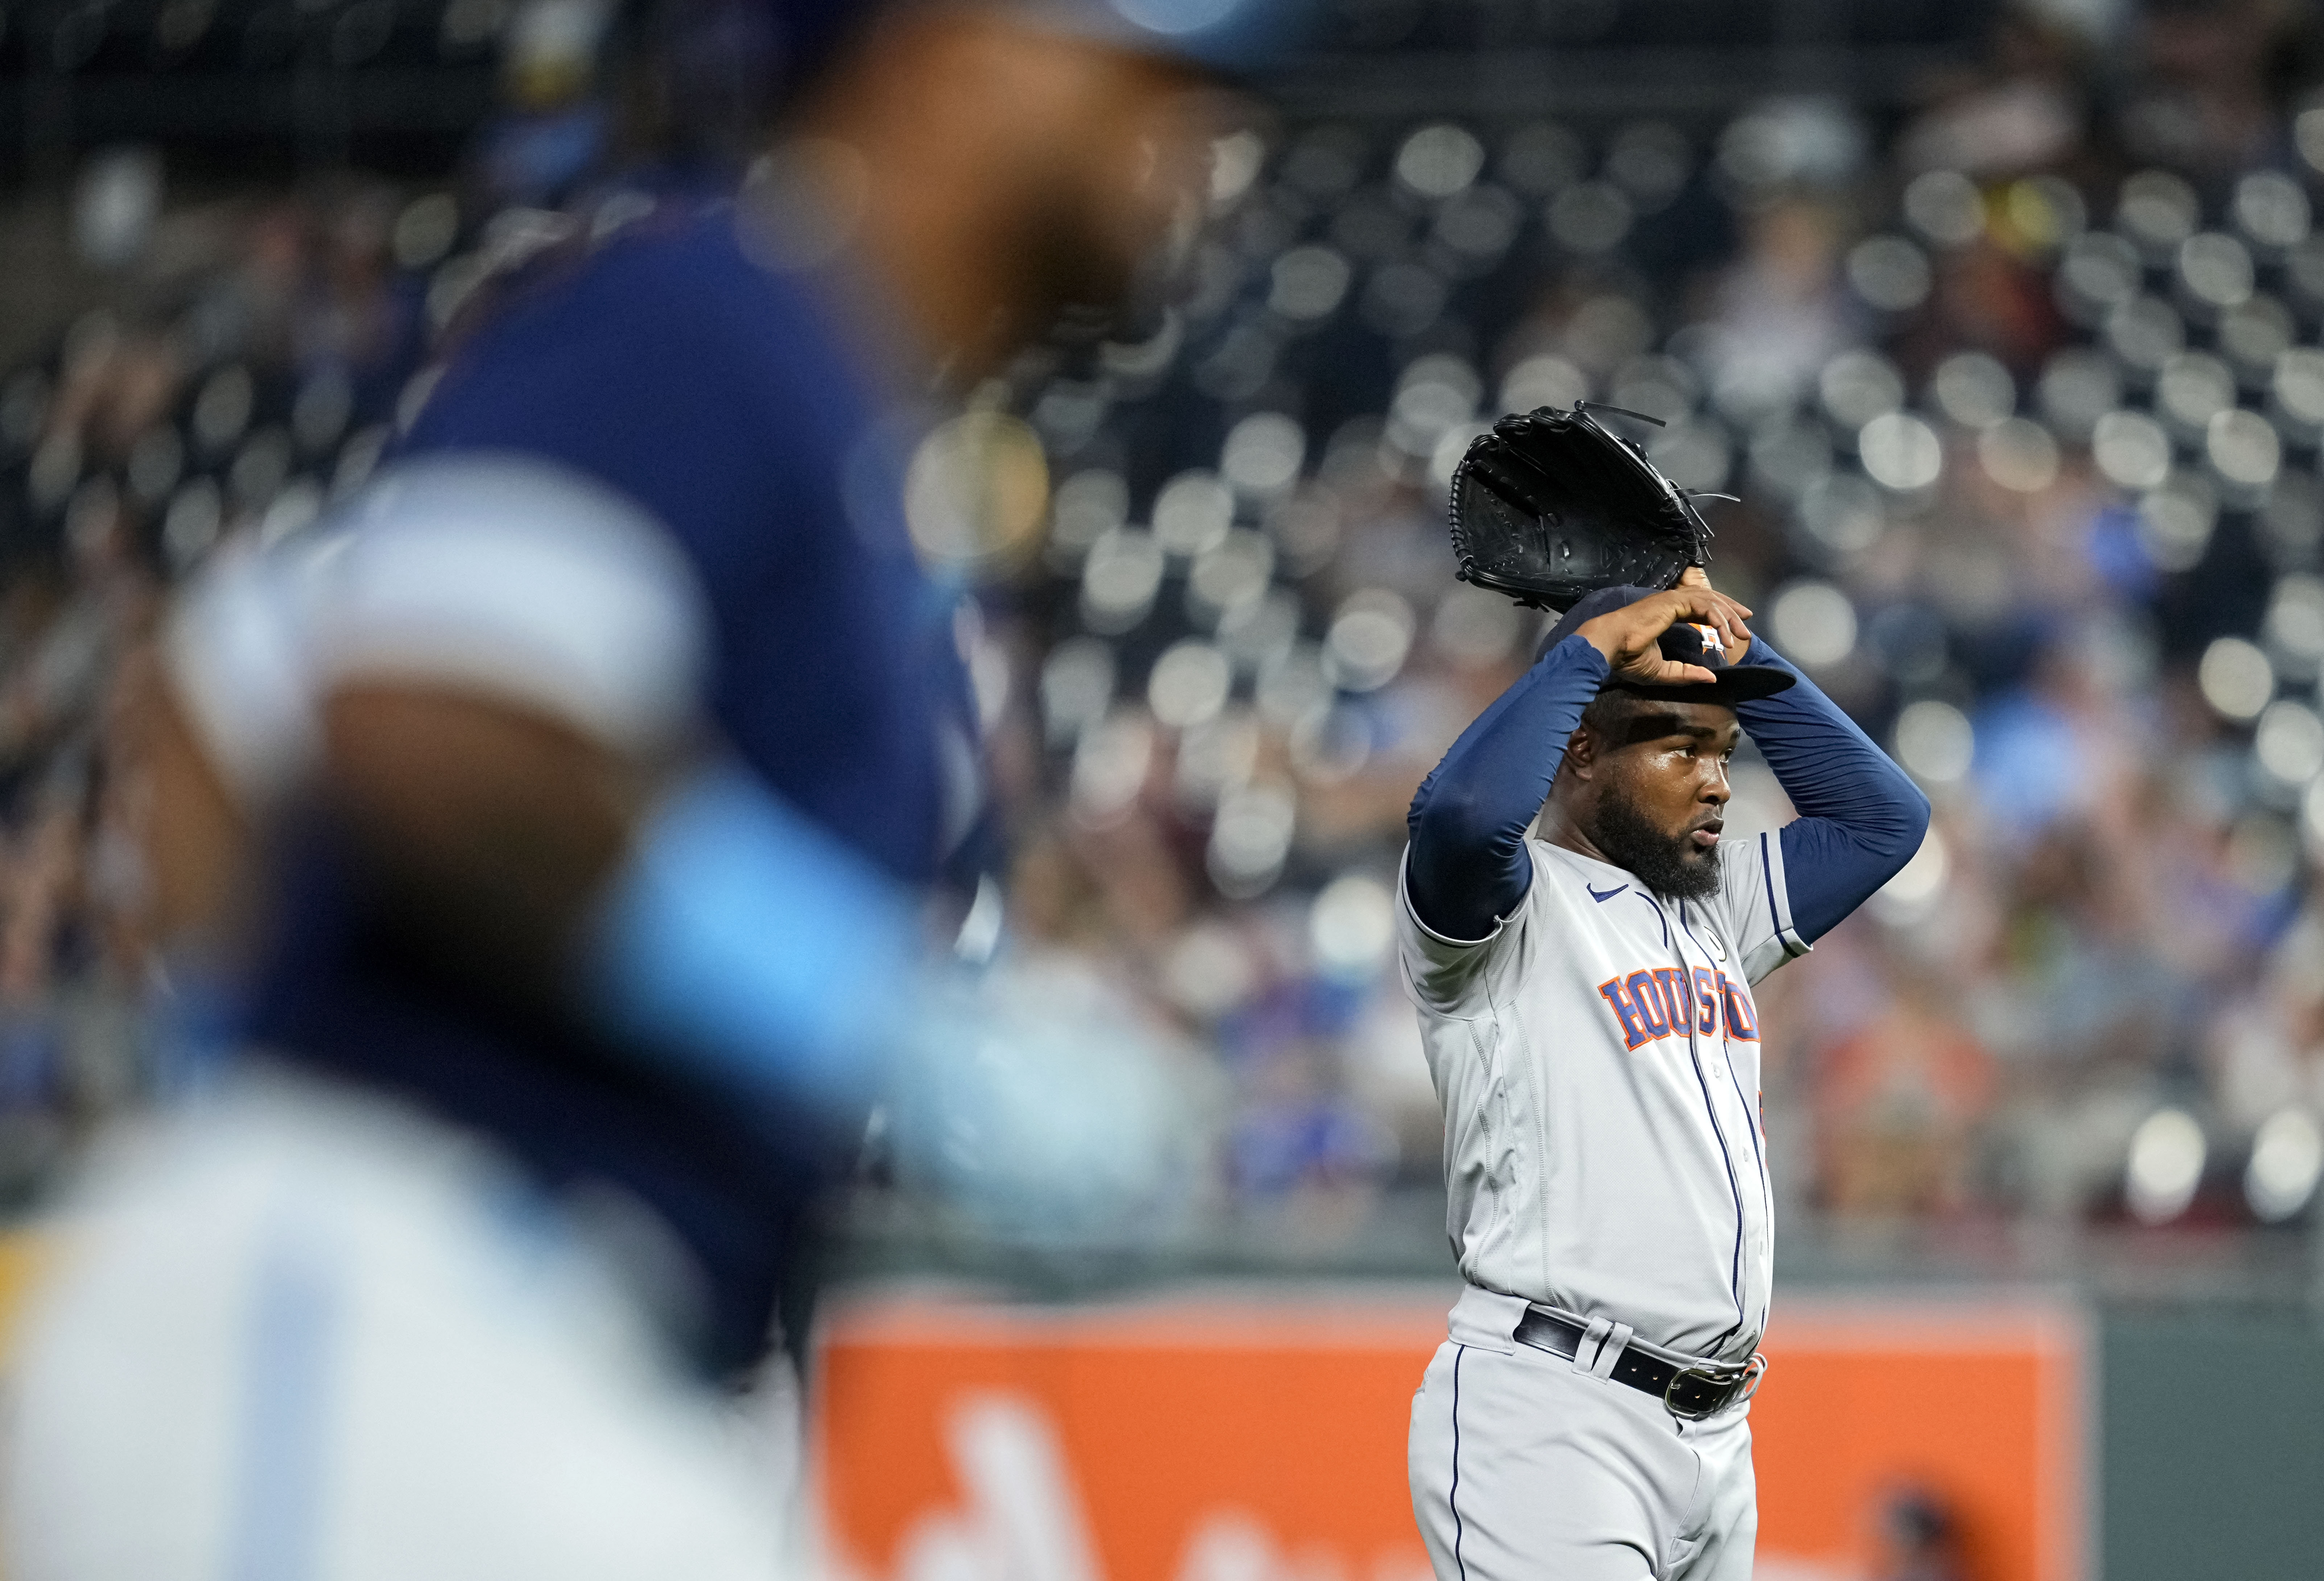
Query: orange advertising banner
[{"x": 1261, "y": 1438}]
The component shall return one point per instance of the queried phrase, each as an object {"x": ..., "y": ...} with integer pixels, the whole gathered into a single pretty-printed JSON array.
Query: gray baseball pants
[{"x": 1525, "y": 1469}]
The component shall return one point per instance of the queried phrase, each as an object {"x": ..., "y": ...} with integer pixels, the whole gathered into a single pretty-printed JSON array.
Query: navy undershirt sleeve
[
  {"x": 1860, "y": 818},
  {"x": 1466, "y": 867}
]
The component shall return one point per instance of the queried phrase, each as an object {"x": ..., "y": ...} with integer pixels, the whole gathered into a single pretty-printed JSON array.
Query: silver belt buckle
[{"x": 1735, "y": 1384}]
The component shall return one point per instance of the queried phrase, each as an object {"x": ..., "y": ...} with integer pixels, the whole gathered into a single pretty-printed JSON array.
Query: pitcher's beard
[{"x": 1671, "y": 867}]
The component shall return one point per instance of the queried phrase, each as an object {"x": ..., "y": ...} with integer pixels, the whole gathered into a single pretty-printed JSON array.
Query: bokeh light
[
  {"x": 1350, "y": 925},
  {"x": 2166, "y": 1165},
  {"x": 2236, "y": 678},
  {"x": 1889, "y": 272},
  {"x": 1813, "y": 623},
  {"x": 1188, "y": 685},
  {"x": 1918, "y": 890},
  {"x": 2286, "y": 1158},
  {"x": 1369, "y": 637},
  {"x": 1935, "y": 741},
  {"x": 2289, "y": 743},
  {"x": 1193, "y": 513},
  {"x": 1945, "y": 207},
  {"x": 1973, "y": 389},
  {"x": 2018, "y": 455},
  {"x": 1900, "y": 452}
]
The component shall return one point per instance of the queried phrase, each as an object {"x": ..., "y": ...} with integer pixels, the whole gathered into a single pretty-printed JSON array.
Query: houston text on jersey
[{"x": 1656, "y": 1001}]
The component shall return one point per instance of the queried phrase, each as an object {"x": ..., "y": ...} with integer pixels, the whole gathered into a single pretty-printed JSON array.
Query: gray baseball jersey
[{"x": 1598, "y": 1062}]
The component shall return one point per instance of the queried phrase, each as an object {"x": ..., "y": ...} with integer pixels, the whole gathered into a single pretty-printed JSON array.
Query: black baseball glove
[{"x": 1549, "y": 506}]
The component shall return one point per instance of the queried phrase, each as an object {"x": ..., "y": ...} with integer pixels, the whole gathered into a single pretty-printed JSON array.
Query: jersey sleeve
[
  {"x": 1755, "y": 904},
  {"x": 508, "y": 577},
  {"x": 499, "y": 577},
  {"x": 1454, "y": 976}
]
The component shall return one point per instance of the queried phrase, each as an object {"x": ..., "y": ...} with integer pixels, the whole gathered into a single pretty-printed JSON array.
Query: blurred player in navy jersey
[{"x": 549, "y": 830}]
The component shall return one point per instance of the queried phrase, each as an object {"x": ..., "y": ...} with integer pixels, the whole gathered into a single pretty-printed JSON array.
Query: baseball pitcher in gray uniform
[{"x": 1585, "y": 1000}]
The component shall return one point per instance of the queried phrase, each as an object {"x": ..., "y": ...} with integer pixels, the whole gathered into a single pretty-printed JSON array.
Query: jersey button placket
[
  {"x": 1761, "y": 1232},
  {"x": 1743, "y": 1237}
]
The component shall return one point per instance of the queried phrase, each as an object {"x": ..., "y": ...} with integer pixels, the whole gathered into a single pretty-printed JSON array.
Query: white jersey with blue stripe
[
  {"x": 295, "y": 1331},
  {"x": 1598, "y": 1061}
]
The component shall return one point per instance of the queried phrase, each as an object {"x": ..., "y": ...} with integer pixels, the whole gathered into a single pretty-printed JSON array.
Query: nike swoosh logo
[{"x": 1609, "y": 895}]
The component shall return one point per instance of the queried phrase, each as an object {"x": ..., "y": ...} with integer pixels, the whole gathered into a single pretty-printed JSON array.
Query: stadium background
[{"x": 2003, "y": 323}]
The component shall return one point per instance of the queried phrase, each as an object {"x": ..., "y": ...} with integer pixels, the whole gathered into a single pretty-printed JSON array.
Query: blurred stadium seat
[{"x": 2021, "y": 396}]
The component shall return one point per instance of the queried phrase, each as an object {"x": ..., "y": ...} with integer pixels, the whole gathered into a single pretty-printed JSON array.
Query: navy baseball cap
[
  {"x": 783, "y": 42},
  {"x": 1228, "y": 38},
  {"x": 727, "y": 64},
  {"x": 1685, "y": 643}
]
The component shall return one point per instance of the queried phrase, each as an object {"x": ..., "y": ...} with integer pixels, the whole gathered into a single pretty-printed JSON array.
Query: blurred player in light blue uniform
[{"x": 555, "y": 821}]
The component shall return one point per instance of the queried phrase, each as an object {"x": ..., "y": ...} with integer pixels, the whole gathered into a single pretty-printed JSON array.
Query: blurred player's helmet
[
  {"x": 1228, "y": 37},
  {"x": 728, "y": 63}
]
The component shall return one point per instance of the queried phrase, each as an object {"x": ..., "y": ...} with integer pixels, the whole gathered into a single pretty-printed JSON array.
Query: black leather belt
[{"x": 1688, "y": 1388}]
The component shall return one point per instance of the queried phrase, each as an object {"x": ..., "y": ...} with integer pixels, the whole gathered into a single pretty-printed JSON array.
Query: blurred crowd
[{"x": 2020, "y": 393}]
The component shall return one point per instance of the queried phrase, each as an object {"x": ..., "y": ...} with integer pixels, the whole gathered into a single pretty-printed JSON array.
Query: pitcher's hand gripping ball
[{"x": 1549, "y": 506}]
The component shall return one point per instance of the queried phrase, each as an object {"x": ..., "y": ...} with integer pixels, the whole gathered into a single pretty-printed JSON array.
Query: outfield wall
[{"x": 1260, "y": 1437}]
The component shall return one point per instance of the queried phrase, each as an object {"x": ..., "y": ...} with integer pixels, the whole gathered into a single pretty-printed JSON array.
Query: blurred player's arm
[
  {"x": 488, "y": 684},
  {"x": 494, "y": 823},
  {"x": 1467, "y": 866},
  {"x": 211, "y": 723},
  {"x": 483, "y": 830}
]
